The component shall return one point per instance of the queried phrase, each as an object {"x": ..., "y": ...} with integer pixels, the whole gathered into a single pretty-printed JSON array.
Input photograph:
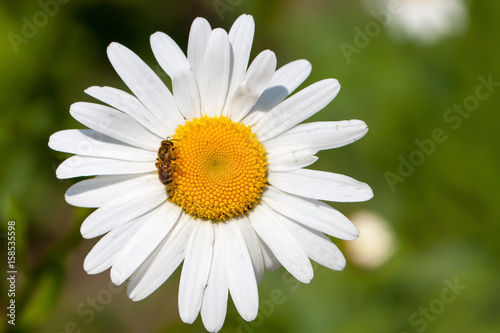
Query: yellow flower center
[{"x": 219, "y": 168}]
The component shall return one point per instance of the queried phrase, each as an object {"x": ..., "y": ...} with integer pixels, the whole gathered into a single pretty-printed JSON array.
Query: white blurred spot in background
[
  {"x": 376, "y": 243},
  {"x": 421, "y": 21}
]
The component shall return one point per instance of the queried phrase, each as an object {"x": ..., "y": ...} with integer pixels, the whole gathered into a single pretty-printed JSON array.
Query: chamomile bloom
[{"x": 210, "y": 174}]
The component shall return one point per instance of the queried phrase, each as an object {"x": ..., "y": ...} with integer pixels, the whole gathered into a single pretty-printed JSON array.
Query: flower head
[{"x": 211, "y": 175}]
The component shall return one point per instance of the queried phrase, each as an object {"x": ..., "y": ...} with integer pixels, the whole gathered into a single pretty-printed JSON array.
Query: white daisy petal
[
  {"x": 214, "y": 306},
  {"x": 284, "y": 246},
  {"x": 241, "y": 39},
  {"x": 285, "y": 80},
  {"x": 296, "y": 108},
  {"x": 270, "y": 261},
  {"x": 197, "y": 44},
  {"x": 216, "y": 65},
  {"x": 130, "y": 105},
  {"x": 98, "y": 191},
  {"x": 194, "y": 275},
  {"x": 78, "y": 166},
  {"x": 124, "y": 209},
  {"x": 257, "y": 79},
  {"x": 319, "y": 135},
  {"x": 103, "y": 254},
  {"x": 91, "y": 143},
  {"x": 317, "y": 246},
  {"x": 146, "y": 239},
  {"x": 312, "y": 213},
  {"x": 295, "y": 148},
  {"x": 115, "y": 124},
  {"x": 239, "y": 270},
  {"x": 253, "y": 245},
  {"x": 290, "y": 158},
  {"x": 321, "y": 185},
  {"x": 145, "y": 84},
  {"x": 175, "y": 64},
  {"x": 162, "y": 262}
]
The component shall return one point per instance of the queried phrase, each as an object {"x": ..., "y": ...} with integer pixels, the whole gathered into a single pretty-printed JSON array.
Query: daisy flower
[
  {"x": 210, "y": 174},
  {"x": 427, "y": 21}
]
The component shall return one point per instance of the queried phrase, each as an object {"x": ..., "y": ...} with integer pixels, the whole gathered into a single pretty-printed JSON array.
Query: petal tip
[
  {"x": 85, "y": 232},
  {"x": 116, "y": 277},
  {"x": 219, "y": 32},
  {"x": 89, "y": 266},
  {"x": 135, "y": 295},
  {"x": 62, "y": 172}
]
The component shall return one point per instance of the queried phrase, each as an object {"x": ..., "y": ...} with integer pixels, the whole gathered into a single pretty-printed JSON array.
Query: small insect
[{"x": 164, "y": 163}]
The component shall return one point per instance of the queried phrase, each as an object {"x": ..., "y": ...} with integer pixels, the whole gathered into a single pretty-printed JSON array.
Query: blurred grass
[{"x": 445, "y": 214}]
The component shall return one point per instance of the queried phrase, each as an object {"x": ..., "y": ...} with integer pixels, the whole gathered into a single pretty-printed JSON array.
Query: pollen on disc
[{"x": 220, "y": 168}]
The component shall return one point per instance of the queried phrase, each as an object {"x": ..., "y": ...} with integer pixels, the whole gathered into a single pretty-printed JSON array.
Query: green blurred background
[{"x": 445, "y": 214}]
